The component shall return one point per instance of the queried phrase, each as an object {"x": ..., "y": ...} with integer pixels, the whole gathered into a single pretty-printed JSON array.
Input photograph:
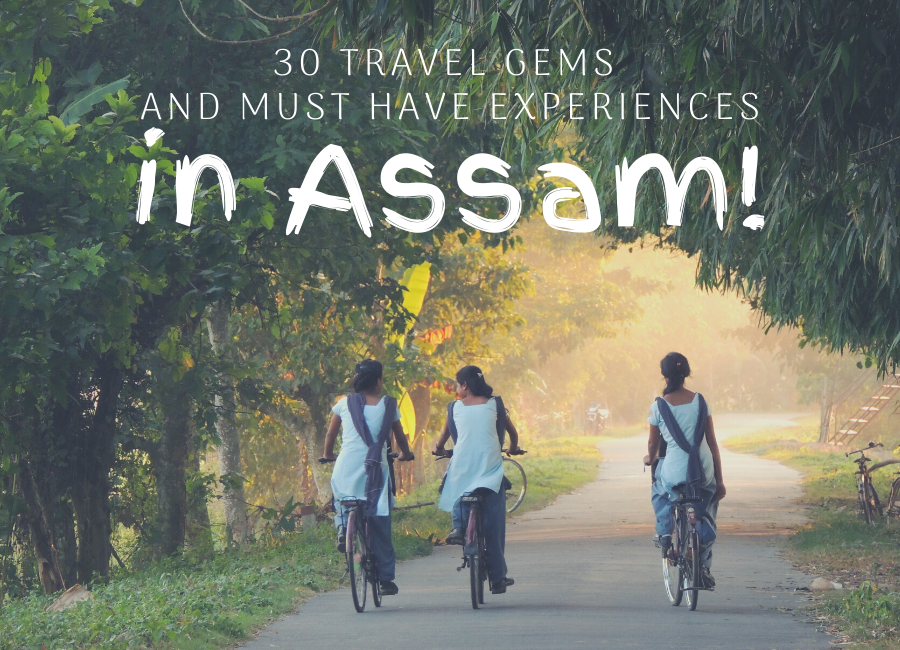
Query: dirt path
[{"x": 587, "y": 575}]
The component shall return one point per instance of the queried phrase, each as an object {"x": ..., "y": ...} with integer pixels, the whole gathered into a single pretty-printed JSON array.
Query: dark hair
[
  {"x": 675, "y": 369},
  {"x": 473, "y": 378},
  {"x": 366, "y": 375}
]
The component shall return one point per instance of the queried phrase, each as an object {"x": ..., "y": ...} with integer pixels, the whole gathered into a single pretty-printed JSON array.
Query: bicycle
[
  {"x": 513, "y": 472},
  {"x": 360, "y": 560},
  {"x": 893, "y": 504},
  {"x": 869, "y": 503},
  {"x": 474, "y": 550},
  {"x": 681, "y": 560}
]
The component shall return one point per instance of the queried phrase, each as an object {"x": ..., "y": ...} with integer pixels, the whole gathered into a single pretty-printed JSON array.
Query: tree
[{"x": 825, "y": 81}]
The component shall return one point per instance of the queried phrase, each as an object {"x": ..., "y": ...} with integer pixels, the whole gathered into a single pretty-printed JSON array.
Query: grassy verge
[
  {"x": 188, "y": 604},
  {"x": 837, "y": 543}
]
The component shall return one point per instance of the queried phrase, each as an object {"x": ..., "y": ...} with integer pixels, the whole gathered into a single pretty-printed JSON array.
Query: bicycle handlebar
[
  {"x": 871, "y": 445},
  {"x": 449, "y": 452},
  {"x": 412, "y": 456}
]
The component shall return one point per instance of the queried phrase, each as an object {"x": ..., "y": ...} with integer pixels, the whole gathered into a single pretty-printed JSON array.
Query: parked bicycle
[
  {"x": 869, "y": 503},
  {"x": 360, "y": 561},
  {"x": 515, "y": 474},
  {"x": 681, "y": 559}
]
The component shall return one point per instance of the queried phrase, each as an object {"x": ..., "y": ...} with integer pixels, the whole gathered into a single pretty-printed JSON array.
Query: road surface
[{"x": 588, "y": 576}]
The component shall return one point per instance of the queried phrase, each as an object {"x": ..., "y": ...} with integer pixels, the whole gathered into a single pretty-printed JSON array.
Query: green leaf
[{"x": 86, "y": 100}]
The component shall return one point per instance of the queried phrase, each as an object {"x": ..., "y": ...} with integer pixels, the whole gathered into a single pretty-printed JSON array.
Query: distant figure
[
  {"x": 367, "y": 419},
  {"x": 477, "y": 423},
  {"x": 682, "y": 421}
]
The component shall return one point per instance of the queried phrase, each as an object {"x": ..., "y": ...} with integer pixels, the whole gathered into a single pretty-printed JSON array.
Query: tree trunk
[
  {"x": 234, "y": 501},
  {"x": 44, "y": 550},
  {"x": 312, "y": 437},
  {"x": 314, "y": 434},
  {"x": 421, "y": 401},
  {"x": 307, "y": 490},
  {"x": 68, "y": 546},
  {"x": 90, "y": 483},
  {"x": 171, "y": 463},
  {"x": 826, "y": 411},
  {"x": 199, "y": 531}
]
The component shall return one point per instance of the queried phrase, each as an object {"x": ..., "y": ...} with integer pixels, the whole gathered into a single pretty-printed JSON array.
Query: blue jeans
[
  {"x": 706, "y": 510},
  {"x": 494, "y": 518},
  {"x": 380, "y": 543}
]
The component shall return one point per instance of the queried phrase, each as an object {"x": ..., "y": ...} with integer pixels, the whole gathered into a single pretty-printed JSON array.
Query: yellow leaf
[{"x": 408, "y": 416}]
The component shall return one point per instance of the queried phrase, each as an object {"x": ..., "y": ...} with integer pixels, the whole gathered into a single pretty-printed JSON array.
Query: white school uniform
[
  {"x": 476, "y": 461},
  {"x": 348, "y": 480}
]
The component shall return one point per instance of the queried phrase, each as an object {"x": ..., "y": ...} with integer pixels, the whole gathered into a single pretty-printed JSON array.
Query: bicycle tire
[
  {"x": 473, "y": 542},
  {"x": 692, "y": 581},
  {"x": 862, "y": 494},
  {"x": 356, "y": 549},
  {"x": 372, "y": 573},
  {"x": 482, "y": 558},
  {"x": 893, "y": 509},
  {"x": 514, "y": 472},
  {"x": 673, "y": 580},
  {"x": 875, "y": 502}
]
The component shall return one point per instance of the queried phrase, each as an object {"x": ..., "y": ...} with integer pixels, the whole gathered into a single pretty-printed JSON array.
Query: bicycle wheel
[
  {"x": 862, "y": 492},
  {"x": 473, "y": 544},
  {"x": 692, "y": 577},
  {"x": 372, "y": 575},
  {"x": 482, "y": 559},
  {"x": 356, "y": 559},
  {"x": 516, "y": 475},
  {"x": 672, "y": 578},
  {"x": 893, "y": 509},
  {"x": 875, "y": 502}
]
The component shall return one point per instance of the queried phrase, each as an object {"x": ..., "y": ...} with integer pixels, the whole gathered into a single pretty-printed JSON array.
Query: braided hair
[
  {"x": 473, "y": 378},
  {"x": 675, "y": 369},
  {"x": 366, "y": 375}
]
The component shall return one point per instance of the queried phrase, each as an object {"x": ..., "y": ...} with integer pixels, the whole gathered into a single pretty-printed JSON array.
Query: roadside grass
[
  {"x": 191, "y": 604},
  {"x": 837, "y": 543}
]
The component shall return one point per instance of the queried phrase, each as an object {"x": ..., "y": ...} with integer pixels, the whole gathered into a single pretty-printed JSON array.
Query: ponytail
[{"x": 675, "y": 369}]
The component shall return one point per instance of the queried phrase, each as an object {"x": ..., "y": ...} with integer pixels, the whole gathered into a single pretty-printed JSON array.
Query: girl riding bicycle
[
  {"x": 681, "y": 419},
  {"x": 361, "y": 470},
  {"x": 477, "y": 464}
]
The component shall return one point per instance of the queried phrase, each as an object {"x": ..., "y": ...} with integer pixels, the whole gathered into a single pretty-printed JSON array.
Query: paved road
[{"x": 587, "y": 576}]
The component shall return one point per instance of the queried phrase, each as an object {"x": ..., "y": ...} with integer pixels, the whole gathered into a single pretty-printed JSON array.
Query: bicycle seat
[
  {"x": 474, "y": 496},
  {"x": 682, "y": 498}
]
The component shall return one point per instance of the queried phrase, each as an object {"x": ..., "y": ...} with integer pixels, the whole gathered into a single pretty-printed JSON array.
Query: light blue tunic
[
  {"x": 476, "y": 460},
  {"x": 348, "y": 480},
  {"x": 673, "y": 469}
]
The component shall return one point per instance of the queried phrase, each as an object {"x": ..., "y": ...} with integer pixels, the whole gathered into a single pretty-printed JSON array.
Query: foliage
[
  {"x": 826, "y": 86},
  {"x": 868, "y": 605}
]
